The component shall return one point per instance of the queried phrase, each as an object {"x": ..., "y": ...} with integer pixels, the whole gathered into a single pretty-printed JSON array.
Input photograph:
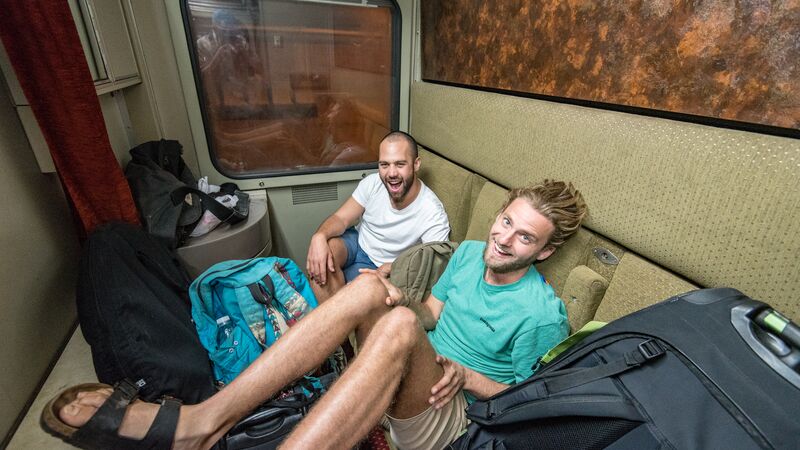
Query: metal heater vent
[{"x": 314, "y": 193}]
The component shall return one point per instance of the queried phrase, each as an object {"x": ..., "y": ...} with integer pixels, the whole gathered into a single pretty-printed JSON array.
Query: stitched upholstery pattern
[
  {"x": 686, "y": 196},
  {"x": 457, "y": 189},
  {"x": 490, "y": 199},
  {"x": 602, "y": 268},
  {"x": 638, "y": 283}
]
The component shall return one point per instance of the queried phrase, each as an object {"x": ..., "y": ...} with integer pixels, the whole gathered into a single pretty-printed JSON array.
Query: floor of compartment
[{"x": 73, "y": 367}]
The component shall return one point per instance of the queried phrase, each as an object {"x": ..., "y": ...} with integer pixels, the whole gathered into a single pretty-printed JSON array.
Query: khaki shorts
[{"x": 431, "y": 429}]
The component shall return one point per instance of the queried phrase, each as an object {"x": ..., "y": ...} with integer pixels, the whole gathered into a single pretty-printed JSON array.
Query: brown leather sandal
[{"x": 101, "y": 431}]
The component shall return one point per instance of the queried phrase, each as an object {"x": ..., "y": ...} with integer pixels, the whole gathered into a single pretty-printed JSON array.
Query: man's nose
[{"x": 505, "y": 237}]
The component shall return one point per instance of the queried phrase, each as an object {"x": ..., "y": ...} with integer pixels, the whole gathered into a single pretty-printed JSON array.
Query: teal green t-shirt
[{"x": 498, "y": 331}]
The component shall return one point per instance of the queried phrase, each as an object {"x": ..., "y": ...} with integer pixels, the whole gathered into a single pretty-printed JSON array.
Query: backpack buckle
[{"x": 651, "y": 349}]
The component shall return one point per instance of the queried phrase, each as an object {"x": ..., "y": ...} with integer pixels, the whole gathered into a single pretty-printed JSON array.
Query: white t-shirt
[{"x": 384, "y": 232}]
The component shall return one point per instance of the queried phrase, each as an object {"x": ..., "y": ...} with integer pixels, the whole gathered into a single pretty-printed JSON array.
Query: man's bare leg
[
  {"x": 303, "y": 348},
  {"x": 396, "y": 364},
  {"x": 335, "y": 280}
]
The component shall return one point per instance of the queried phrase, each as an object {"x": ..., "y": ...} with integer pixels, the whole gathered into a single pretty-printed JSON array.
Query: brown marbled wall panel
[{"x": 734, "y": 60}]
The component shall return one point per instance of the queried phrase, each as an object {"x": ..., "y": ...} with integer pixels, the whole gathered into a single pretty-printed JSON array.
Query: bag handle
[
  {"x": 264, "y": 297},
  {"x": 222, "y": 212}
]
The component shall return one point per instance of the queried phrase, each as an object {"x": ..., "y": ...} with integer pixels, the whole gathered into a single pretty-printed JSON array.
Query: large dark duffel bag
[
  {"x": 134, "y": 311},
  {"x": 708, "y": 369}
]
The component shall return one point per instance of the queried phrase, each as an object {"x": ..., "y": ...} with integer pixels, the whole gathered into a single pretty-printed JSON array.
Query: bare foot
[
  {"x": 137, "y": 420},
  {"x": 139, "y": 416}
]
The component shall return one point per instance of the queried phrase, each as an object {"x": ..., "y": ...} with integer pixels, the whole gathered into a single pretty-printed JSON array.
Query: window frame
[{"x": 394, "y": 80}]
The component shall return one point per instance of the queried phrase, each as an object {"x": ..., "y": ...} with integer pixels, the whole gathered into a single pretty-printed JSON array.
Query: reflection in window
[{"x": 289, "y": 87}]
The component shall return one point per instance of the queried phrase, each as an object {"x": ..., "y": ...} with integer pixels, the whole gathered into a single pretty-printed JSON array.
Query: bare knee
[
  {"x": 399, "y": 327},
  {"x": 368, "y": 288},
  {"x": 339, "y": 251}
]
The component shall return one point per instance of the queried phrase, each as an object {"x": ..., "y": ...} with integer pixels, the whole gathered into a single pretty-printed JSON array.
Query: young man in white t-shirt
[{"x": 396, "y": 210}]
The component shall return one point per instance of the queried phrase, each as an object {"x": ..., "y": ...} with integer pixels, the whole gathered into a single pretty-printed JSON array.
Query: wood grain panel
[{"x": 736, "y": 61}]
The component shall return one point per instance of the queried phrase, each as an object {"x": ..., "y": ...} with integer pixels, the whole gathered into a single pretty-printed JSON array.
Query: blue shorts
[{"x": 356, "y": 258}]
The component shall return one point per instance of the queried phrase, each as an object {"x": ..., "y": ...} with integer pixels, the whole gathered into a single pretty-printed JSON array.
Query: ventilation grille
[{"x": 314, "y": 193}]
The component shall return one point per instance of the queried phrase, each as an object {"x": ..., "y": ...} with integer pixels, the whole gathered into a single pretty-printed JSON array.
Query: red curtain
[{"x": 43, "y": 46}]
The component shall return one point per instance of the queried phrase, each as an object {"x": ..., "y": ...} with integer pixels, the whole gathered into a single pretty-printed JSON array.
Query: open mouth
[
  {"x": 395, "y": 186},
  {"x": 499, "y": 251}
]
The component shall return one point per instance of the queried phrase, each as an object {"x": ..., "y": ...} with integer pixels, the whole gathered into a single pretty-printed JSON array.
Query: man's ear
[
  {"x": 416, "y": 164},
  {"x": 545, "y": 253}
]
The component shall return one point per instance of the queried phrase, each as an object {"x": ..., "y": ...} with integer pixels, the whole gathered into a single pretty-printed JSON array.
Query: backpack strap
[
  {"x": 264, "y": 295},
  {"x": 561, "y": 380},
  {"x": 645, "y": 352}
]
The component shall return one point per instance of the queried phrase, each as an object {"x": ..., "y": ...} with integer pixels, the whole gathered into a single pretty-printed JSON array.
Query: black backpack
[
  {"x": 166, "y": 195},
  {"x": 134, "y": 312},
  {"x": 708, "y": 369},
  {"x": 155, "y": 170}
]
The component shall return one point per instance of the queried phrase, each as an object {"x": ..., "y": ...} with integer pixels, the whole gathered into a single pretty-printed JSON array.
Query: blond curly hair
[{"x": 559, "y": 202}]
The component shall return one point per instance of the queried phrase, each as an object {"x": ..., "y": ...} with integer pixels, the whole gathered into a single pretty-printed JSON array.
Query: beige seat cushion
[
  {"x": 582, "y": 294},
  {"x": 457, "y": 188},
  {"x": 487, "y": 205},
  {"x": 637, "y": 284},
  {"x": 573, "y": 253}
]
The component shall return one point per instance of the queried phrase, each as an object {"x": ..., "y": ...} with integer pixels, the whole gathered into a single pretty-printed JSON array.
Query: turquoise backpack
[{"x": 241, "y": 307}]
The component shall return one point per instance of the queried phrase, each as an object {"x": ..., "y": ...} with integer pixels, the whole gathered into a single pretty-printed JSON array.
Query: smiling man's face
[
  {"x": 397, "y": 169},
  {"x": 517, "y": 238}
]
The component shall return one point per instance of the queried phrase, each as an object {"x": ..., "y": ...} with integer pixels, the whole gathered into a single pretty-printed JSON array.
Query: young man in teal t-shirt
[
  {"x": 490, "y": 316},
  {"x": 513, "y": 324}
]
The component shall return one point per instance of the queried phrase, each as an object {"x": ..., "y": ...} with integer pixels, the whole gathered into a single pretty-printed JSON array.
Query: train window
[{"x": 289, "y": 87}]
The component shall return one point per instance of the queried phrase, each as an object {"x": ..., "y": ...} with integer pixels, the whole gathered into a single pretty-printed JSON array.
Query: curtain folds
[{"x": 43, "y": 47}]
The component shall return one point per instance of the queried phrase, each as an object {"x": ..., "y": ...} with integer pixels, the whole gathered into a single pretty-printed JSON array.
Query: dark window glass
[{"x": 290, "y": 87}]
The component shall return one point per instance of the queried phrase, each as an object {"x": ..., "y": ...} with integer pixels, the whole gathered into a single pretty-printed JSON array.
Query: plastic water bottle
[{"x": 224, "y": 328}]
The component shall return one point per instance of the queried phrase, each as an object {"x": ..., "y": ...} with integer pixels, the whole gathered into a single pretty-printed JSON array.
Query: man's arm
[
  {"x": 482, "y": 386},
  {"x": 428, "y": 311},
  {"x": 455, "y": 376},
  {"x": 320, "y": 258}
]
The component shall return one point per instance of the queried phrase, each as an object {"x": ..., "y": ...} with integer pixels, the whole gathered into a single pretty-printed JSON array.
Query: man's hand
[
  {"x": 385, "y": 269},
  {"x": 450, "y": 384},
  {"x": 396, "y": 296},
  {"x": 320, "y": 260}
]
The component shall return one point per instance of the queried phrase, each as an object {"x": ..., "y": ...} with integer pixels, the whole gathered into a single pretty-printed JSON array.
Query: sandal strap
[
  {"x": 101, "y": 431},
  {"x": 162, "y": 431},
  {"x": 108, "y": 418}
]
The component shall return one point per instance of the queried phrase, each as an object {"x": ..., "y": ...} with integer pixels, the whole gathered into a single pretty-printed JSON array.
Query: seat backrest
[{"x": 581, "y": 272}]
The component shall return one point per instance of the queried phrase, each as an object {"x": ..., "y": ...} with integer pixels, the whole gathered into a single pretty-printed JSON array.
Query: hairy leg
[
  {"x": 335, "y": 280},
  {"x": 303, "y": 348},
  {"x": 419, "y": 374},
  {"x": 387, "y": 362}
]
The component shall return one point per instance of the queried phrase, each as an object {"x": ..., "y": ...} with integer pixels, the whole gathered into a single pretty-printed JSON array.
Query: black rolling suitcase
[
  {"x": 711, "y": 369},
  {"x": 134, "y": 312}
]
